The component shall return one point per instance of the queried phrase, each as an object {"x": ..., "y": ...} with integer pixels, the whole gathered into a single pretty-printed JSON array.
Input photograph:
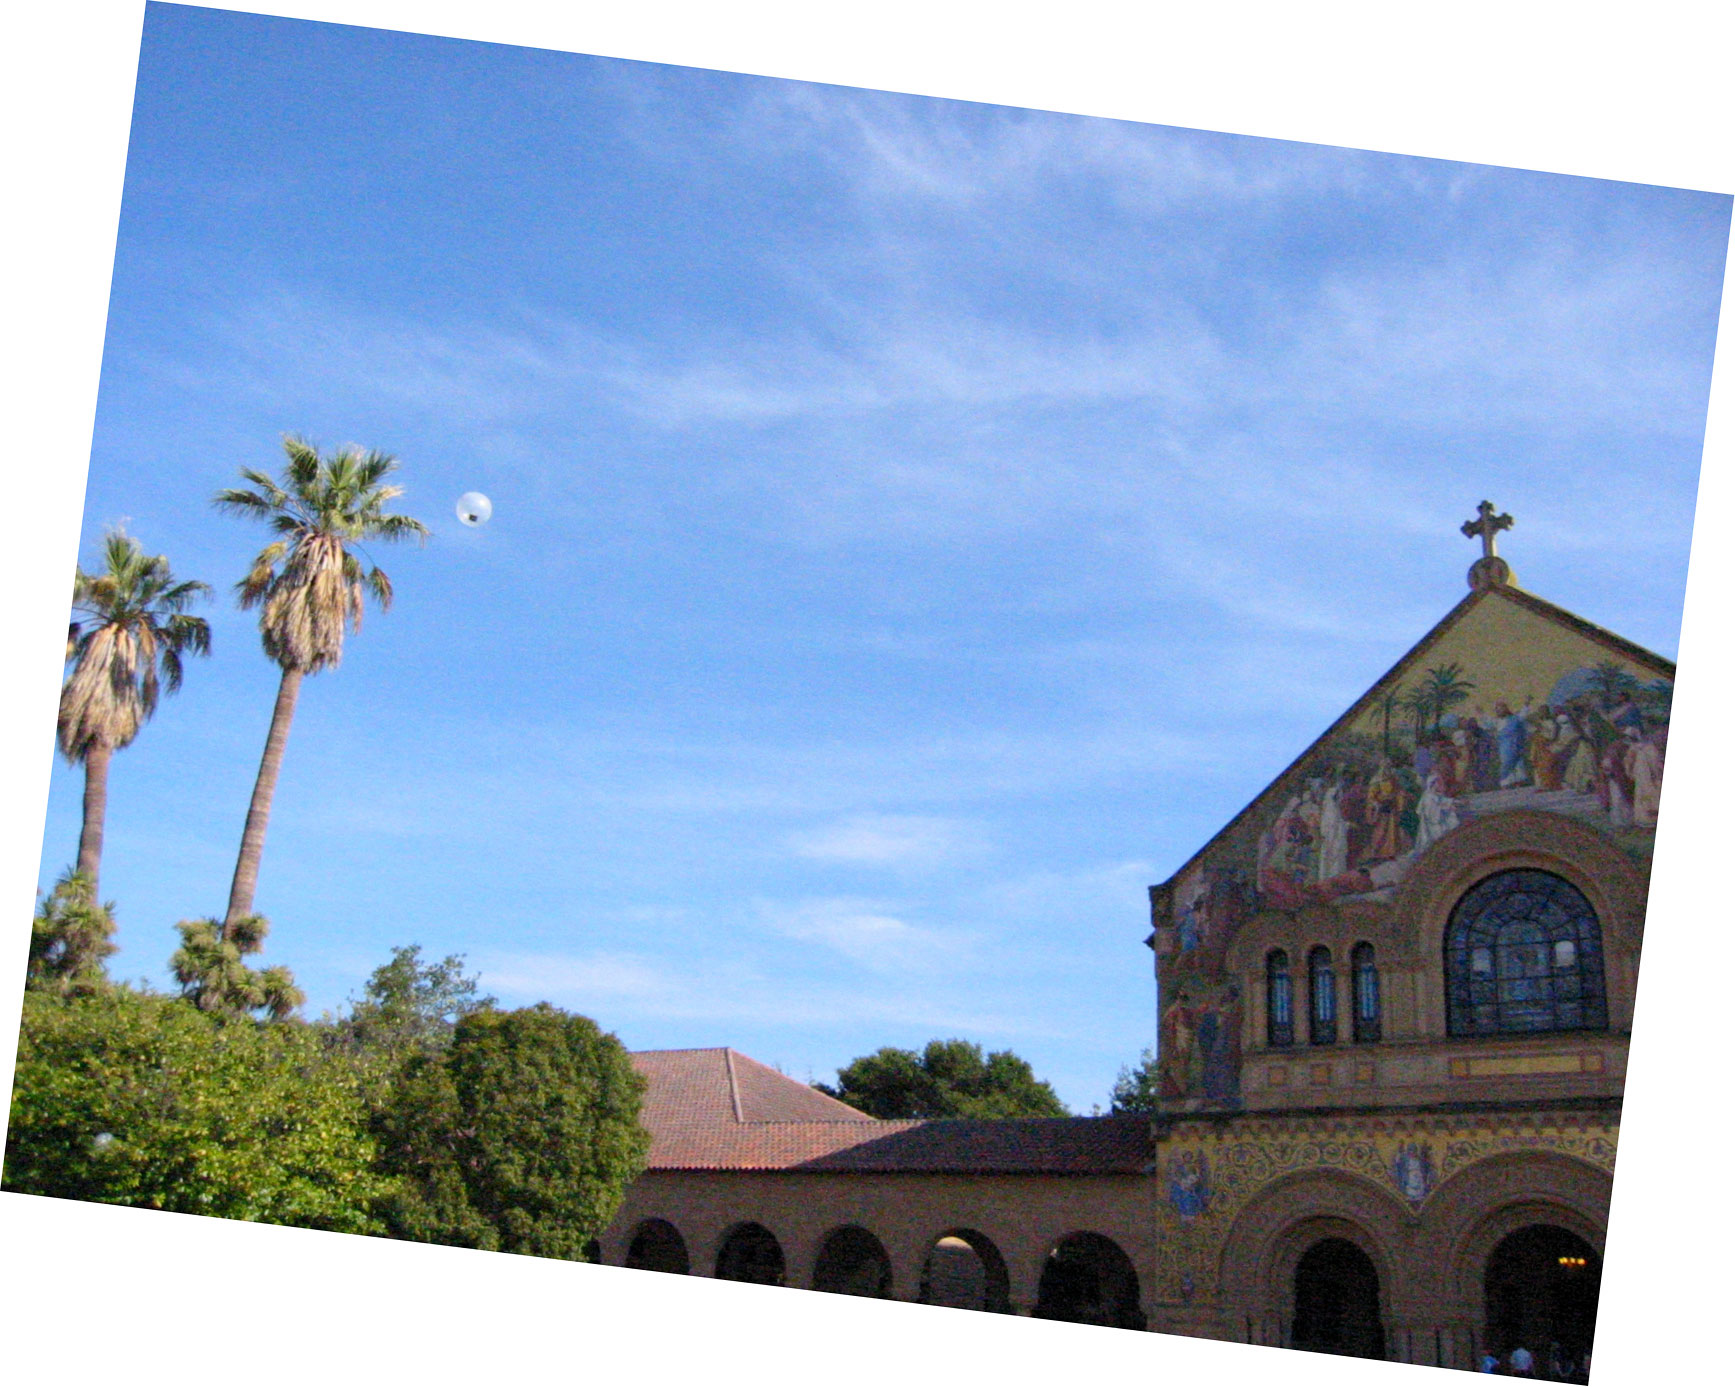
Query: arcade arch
[
  {"x": 964, "y": 1270},
  {"x": 852, "y": 1261},
  {"x": 752, "y": 1253},
  {"x": 657, "y": 1245},
  {"x": 1088, "y": 1279}
]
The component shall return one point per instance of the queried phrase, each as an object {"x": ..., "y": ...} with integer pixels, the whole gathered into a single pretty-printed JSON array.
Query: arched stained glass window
[
  {"x": 1322, "y": 997},
  {"x": 1279, "y": 1000},
  {"x": 1524, "y": 954},
  {"x": 1365, "y": 1023}
]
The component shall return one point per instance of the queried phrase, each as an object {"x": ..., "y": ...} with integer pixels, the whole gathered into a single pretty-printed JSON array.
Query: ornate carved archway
[
  {"x": 1469, "y": 1216},
  {"x": 1276, "y": 1230}
]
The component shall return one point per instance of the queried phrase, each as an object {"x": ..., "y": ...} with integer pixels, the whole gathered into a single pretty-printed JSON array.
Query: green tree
[
  {"x": 125, "y": 1097},
  {"x": 520, "y": 1136},
  {"x": 129, "y": 631},
  {"x": 1135, "y": 1088},
  {"x": 215, "y": 977},
  {"x": 950, "y": 1078},
  {"x": 411, "y": 1005},
  {"x": 308, "y": 586},
  {"x": 70, "y": 938}
]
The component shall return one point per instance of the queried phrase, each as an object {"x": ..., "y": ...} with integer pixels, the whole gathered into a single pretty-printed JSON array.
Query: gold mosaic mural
[{"x": 1210, "y": 1174}]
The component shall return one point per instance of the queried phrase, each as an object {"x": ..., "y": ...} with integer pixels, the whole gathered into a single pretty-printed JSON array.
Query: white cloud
[
  {"x": 861, "y": 930},
  {"x": 635, "y": 992},
  {"x": 889, "y": 840},
  {"x": 1112, "y": 891},
  {"x": 891, "y": 149},
  {"x": 594, "y": 977}
]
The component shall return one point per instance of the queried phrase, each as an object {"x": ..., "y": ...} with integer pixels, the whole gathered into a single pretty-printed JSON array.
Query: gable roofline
[
  {"x": 1600, "y": 635},
  {"x": 717, "y": 1083}
]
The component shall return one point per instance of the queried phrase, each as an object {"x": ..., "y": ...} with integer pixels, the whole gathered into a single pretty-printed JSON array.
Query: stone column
[
  {"x": 1023, "y": 1277},
  {"x": 909, "y": 1257}
]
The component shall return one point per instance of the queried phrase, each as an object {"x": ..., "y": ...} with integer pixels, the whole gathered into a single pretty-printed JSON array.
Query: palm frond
[
  {"x": 181, "y": 595},
  {"x": 309, "y": 586},
  {"x": 302, "y": 471},
  {"x": 125, "y": 645},
  {"x": 188, "y": 633},
  {"x": 397, "y": 527},
  {"x": 381, "y": 587},
  {"x": 243, "y": 502}
]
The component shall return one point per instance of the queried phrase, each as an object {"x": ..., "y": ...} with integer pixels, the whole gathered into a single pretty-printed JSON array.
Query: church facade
[{"x": 1394, "y": 994}]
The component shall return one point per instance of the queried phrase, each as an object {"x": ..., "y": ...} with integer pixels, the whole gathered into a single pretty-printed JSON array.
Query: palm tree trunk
[
  {"x": 259, "y": 811},
  {"x": 95, "y": 811}
]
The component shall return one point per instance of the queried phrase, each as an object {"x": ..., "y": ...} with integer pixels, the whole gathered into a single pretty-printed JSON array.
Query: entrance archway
[
  {"x": 751, "y": 1253},
  {"x": 966, "y": 1271},
  {"x": 1087, "y": 1279},
  {"x": 657, "y": 1245},
  {"x": 1541, "y": 1290},
  {"x": 853, "y": 1261},
  {"x": 1337, "y": 1301}
]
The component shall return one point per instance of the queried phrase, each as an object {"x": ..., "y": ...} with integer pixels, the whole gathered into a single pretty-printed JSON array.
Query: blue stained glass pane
[{"x": 1523, "y": 953}]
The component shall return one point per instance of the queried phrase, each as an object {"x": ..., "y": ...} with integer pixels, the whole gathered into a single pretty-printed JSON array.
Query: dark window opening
[
  {"x": 1322, "y": 998},
  {"x": 1365, "y": 1022},
  {"x": 1279, "y": 1000}
]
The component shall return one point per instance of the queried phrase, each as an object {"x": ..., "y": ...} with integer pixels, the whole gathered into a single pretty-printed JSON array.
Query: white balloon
[{"x": 474, "y": 508}]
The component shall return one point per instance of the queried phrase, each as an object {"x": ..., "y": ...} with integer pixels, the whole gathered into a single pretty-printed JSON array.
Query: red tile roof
[
  {"x": 693, "y": 1088},
  {"x": 720, "y": 1110}
]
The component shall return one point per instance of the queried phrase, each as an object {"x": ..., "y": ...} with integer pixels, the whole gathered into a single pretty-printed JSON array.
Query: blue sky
[{"x": 917, "y": 525}]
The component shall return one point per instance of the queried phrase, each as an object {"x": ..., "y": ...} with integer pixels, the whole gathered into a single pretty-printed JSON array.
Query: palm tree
[
  {"x": 1447, "y": 687},
  {"x": 129, "y": 631},
  {"x": 1419, "y": 704},
  {"x": 70, "y": 937},
  {"x": 308, "y": 586},
  {"x": 1392, "y": 703},
  {"x": 214, "y": 976}
]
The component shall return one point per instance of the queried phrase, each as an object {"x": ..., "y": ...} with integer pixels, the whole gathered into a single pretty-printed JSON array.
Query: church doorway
[
  {"x": 1337, "y": 1301},
  {"x": 853, "y": 1262},
  {"x": 751, "y": 1253},
  {"x": 1087, "y": 1279},
  {"x": 1541, "y": 1291},
  {"x": 658, "y": 1246},
  {"x": 965, "y": 1270}
]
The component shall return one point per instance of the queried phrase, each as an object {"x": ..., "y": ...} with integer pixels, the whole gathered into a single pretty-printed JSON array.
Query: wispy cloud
[
  {"x": 862, "y": 930},
  {"x": 890, "y": 148},
  {"x": 890, "y": 840},
  {"x": 595, "y": 977},
  {"x": 646, "y": 991}
]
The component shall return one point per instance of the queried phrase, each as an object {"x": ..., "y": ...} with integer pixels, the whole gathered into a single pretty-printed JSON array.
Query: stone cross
[{"x": 1487, "y": 524}]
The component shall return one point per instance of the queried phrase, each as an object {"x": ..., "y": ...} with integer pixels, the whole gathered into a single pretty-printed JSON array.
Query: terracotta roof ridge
[
  {"x": 734, "y": 1087},
  {"x": 863, "y": 1121},
  {"x": 683, "y": 1050},
  {"x": 1070, "y": 1117}
]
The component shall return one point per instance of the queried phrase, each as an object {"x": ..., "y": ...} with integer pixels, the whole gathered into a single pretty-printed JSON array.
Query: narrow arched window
[
  {"x": 1279, "y": 1000},
  {"x": 1366, "y": 1021},
  {"x": 1321, "y": 998},
  {"x": 1523, "y": 953}
]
